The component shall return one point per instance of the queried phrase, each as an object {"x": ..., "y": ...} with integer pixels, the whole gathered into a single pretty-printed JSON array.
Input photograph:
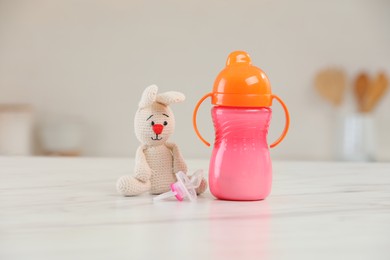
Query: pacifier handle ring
[
  {"x": 287, "y": 124},
  {"x": 194, "y": 118}
]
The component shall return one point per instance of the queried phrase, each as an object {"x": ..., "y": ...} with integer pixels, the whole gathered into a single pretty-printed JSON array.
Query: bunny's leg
[
  {"x": 180, "y": 165},
  {"x": 132, "y": 186},
  {"x": 202, "y": 187}
]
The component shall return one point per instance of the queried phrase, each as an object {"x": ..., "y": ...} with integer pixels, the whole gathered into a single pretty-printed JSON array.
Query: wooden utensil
[
  {"x": 362, "y": 84},
  {"x": 330, "y": 84},
  {"x": 375, "y": 92}
]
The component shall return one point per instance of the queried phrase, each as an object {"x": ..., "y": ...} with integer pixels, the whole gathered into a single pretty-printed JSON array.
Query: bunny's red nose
[{"x": 158, "y": 128}]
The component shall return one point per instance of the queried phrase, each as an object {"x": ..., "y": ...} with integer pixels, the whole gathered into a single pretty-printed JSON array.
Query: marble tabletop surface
[{"x": 67, "y": 208}]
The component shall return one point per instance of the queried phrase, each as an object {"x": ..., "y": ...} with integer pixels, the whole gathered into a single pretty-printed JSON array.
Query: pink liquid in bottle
[{"x": 240, "y": 165}]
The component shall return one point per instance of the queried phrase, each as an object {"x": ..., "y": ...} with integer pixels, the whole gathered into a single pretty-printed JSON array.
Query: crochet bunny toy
[{"x": 156, "y": 160}]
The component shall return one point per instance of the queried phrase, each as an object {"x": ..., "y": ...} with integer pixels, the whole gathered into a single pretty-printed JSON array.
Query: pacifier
[{"x": 183, "y": 188}]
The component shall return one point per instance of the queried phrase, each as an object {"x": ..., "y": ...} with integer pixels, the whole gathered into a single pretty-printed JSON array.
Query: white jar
[
  {"x": 16, "y": 129},
  {"x": 62, "y": 136}
]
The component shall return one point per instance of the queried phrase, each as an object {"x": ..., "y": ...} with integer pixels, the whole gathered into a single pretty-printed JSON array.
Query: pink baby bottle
[{"x": 240, "y": 165}]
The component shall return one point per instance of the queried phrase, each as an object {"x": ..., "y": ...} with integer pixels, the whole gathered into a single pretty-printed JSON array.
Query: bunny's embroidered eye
[
  {"x": 152, "y": 123},
  {"x": 165, "y": 122}
]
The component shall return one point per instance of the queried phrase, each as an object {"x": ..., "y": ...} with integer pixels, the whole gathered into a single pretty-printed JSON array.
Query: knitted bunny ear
[
  {"x": 148, "y": 96},
  {"x": 170, "y": 97}
]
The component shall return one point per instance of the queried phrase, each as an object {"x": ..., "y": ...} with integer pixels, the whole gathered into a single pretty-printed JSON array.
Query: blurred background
[{"x": 72, "y": 72}]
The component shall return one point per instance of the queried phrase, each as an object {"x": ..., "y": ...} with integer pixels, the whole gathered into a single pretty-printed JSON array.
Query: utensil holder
[{"x": 356, "y": 138}]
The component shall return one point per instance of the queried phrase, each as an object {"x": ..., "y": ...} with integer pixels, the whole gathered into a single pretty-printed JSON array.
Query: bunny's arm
[
  {"x": 178, "y": 161},
  {"x": 142, "y": 169}
]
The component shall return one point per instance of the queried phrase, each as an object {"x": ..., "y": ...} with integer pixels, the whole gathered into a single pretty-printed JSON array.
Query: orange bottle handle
[
  {"x": 280, "y": 139},
  {"x": 194, "y": 118},
  {"x": 287, "y": 124}
]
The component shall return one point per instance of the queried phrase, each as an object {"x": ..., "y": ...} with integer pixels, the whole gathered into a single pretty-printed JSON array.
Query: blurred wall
[{"x": 92, "y": 59}]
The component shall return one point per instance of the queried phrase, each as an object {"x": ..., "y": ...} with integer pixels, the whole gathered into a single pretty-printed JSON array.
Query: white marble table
[{"x": 55, "y": 208}]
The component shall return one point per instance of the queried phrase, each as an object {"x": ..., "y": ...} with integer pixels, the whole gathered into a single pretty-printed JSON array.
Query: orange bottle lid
[{"x": 241, "y": 84}]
